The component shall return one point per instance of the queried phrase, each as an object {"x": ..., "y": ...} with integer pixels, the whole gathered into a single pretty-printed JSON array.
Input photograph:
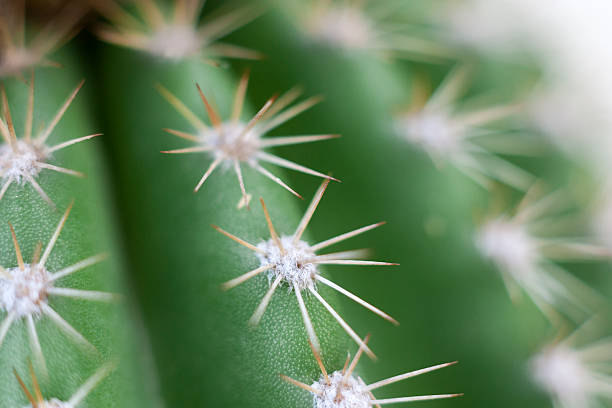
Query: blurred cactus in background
[{"x": 479, "y": 131}]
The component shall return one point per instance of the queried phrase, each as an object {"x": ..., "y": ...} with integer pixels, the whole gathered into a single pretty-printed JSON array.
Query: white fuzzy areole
[
  {"x": 16, "y": 60},
  {"x": 292, "y": 266},
  {"x": 433, "y": 132},
  {"x": 230, "y": 142},
  {"x": 353, "y": 394},
  {"x": 344, "y": 26},
  {"x": 175, "y": 42},
  {"x": 508, "y": 244},
  {"x": 21, "y": 163},
  {"x": 559, "y": 371},
  {"x": 26, "y": 291}
]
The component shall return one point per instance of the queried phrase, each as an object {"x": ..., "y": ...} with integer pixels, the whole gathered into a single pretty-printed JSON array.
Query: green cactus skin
[
  {"x": 443, "y": 286},
  {"x": 204, "y": 347},
  {"x": 89, "y": 231}
]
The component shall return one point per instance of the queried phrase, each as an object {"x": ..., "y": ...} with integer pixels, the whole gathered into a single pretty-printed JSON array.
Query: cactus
[{"x": 151, "y": 256}]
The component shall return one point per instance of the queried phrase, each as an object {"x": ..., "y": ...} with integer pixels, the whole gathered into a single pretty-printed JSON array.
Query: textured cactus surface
[{"x": 107, "y": 330}]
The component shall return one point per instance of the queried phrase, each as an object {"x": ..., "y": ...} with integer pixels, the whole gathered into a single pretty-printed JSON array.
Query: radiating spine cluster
[
  {"x": 25, "y": 290},
  {"x": 463, "y": 138},
  {"x": 234, "y": 142},
  {"x": 575, "y": 370},
  {"x": 22, "y": 159},
  {"x": 293, "y": 262},
  {"x": 342, "y": 389},
  {"x": 526, "y": 248}
]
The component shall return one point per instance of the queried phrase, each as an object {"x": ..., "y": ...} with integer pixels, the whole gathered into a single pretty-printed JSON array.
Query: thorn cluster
[
  {"x": 235, "y": 141},
  {"x": 575, "y": 375},
  {"x": 526, "y": 255},
  {"x": 26, "y": 288},
  {"x": 22, "y": 159},
  {"x": 341, "y": 389},
  {"x": 293, "y": 262},
  {"x": 463, "y": 139}
]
